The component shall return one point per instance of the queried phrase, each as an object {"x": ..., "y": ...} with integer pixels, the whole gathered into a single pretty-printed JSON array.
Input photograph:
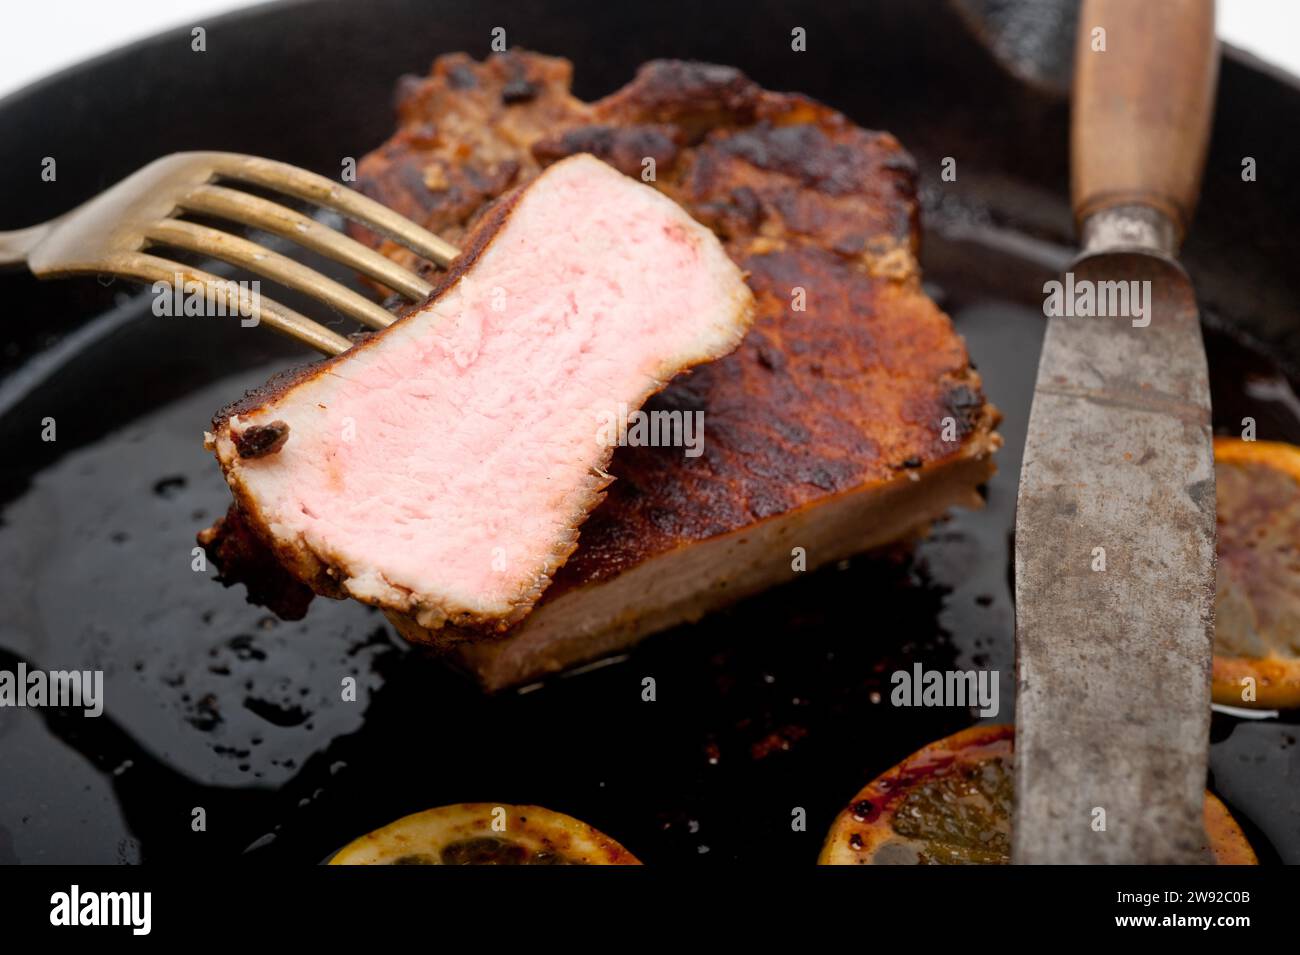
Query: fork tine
[
  {"x": 322, "y": 191},
  {"x": 278, "y": 268},
  {"x": 151, "y": 268},
  {"x": 272, "y": 217}
]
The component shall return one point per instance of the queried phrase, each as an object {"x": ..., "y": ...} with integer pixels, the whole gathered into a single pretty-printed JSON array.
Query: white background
[{"x": 38, "y": 37}]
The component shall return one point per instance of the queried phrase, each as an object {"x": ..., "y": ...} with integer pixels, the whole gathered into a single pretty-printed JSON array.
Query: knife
[{"x": 1115, "y": 537}]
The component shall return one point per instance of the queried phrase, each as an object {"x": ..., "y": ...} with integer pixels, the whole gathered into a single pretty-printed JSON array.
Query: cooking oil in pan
[{"x": 210, "y": 703}]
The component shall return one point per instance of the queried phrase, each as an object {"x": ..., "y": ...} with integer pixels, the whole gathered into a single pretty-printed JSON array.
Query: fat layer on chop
[{"x": 441, "y": 468}]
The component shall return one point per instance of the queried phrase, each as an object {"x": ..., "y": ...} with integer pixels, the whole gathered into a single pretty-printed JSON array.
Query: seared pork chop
[
  {"x": 850, "y": 415},
  {"x": 440, "y": 469}
]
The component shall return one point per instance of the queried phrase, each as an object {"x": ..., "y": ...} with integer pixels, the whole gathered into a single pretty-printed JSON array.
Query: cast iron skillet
[{"x": 776, "y": 705}]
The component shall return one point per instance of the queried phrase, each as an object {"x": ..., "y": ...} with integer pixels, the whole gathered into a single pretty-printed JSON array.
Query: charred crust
[
  {"x": 966, "y": 406},
  {"x": 740, "y": 213},
  {"x": 472, "y": 249},
  {"x": 408, "y": 87},
  {"x": 519, "y": 90},
  {"x": 623, "y": 147},
  {"x": 278, "y": 384},
  {"x": 695, "y": 96},
  {"x": 461, "y": 77},
  {"x": 260, "y": 440},
  {"x": 805, "y": 153},
  {"x": 241, "y": 556}
]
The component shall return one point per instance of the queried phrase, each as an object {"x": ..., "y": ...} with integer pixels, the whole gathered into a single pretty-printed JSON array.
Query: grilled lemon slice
[
  {"x": 950, "y": 804},
  {"x": 1257, "y": 604},
  {"x": 485, "y": 834}
]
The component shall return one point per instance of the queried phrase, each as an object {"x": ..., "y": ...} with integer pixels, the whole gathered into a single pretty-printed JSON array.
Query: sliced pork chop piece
[{"x": 441, "y": 468}]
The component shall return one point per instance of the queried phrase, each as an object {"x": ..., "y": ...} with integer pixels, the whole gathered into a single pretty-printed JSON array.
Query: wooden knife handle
[{"x": 1142, "y": 107}]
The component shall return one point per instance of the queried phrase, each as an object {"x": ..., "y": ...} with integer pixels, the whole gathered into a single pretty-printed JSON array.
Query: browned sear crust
[
  {"x": 242, "y": 558},
  {"x": 260, "y": 440}
]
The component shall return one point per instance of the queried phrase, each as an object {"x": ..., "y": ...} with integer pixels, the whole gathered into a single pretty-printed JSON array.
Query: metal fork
[{"x": 112, "y": 232}]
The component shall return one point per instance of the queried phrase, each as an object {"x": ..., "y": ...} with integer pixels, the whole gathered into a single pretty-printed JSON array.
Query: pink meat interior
[{"x": 447, "y": 458}]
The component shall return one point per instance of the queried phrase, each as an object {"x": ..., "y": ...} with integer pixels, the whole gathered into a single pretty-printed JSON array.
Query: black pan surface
[{"x": 778, "y": 704}]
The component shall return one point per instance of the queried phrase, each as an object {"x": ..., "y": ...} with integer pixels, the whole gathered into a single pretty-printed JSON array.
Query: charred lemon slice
[
  {"x": 485, "y": 834},
  {"x": 950, "y": 804},
  {"x": 1257, "y": 606}
]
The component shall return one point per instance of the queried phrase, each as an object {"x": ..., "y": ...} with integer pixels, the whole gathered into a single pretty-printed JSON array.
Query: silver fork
[{"x": 112, "y": 233}]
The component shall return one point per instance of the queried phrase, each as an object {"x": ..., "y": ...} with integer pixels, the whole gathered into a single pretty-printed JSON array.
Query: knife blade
[{"x": 1115, "y": 527}]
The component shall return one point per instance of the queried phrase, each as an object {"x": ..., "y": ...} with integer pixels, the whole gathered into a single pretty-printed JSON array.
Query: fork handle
[{"x": 16, "y": 246}]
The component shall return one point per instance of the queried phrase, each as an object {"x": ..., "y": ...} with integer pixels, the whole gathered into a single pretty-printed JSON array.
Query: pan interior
[{"x": 781, "y": 703}]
